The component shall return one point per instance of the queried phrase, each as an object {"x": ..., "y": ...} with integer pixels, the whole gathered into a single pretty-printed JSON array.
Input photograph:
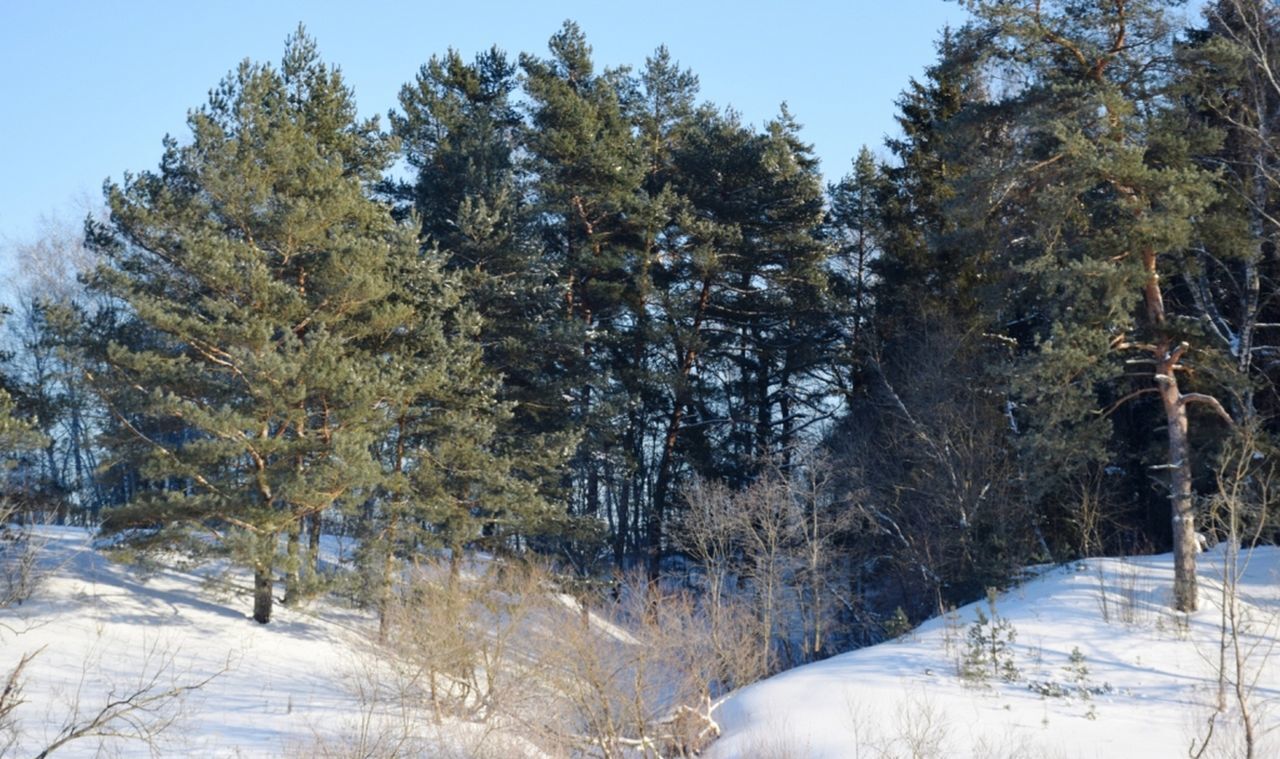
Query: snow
[
  {"x": 1157, "y": 668},
  {"x": 100, "y": 629},
  {"x": 292, "y": 688}
]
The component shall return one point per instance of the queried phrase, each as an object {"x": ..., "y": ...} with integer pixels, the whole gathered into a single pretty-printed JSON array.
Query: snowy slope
[
  {"x": 293, "y": 688},
  {"x": 101, "y": 630},
  {"x": 1154, "y": 673}
]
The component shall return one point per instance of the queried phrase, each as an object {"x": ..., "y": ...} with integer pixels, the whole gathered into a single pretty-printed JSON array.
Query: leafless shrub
[
  {"x": 1247, "y": 634},
  {"x": 464, "y": 640},
  {"x": 1122, "y": 596},
  {"x": 502, "y": 651},
  {"x": 778, "y": 544},
  {"x": 638, "y": 676},
  {"x": 387, "y": 723},
  {"x": 20, "y": 551},
  {"x": 141, "y": 710},
  {"x": 10, "y": 699},
  {"x": 919, "y": 730},
  {"x": 922, "y": 728},
  {"x": 780, "y": 743}
]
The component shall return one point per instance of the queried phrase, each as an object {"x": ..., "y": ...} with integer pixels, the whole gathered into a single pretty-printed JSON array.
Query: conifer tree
[
  {"x": 853, "y": 223},
  {"x": 1110, "y": 214},
  {"x": 260, "y": 278},
  {"x": 460, "y": 130},
  {"x": 1230, "y": 106},
  {"x": 589, "y": 169}
]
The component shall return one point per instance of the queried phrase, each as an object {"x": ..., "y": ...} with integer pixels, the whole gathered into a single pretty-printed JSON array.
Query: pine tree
[
  {"x": 853, "y": 223},
  {"x": 1230, "y": 105},
  {"x": 460, "y": 130},
  {"x": 657, "y": 343},
  {"x": 589, "y": 168},
  {"x": 260, "y": 278},
  {"x": 1110, "y": 212},
  {"x": 452, "y": 480}
]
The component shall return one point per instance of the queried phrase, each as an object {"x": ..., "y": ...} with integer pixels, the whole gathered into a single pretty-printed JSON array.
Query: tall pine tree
[{"x": 266, "y": 288}]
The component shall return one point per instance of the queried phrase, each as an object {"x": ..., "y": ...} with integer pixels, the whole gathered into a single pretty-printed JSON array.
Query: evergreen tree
[
  {"x": 657, "y": 342},
  {"x": 589, "y": 169},
  {"x": 1110, "y": 214},
  {"x": 264, "y": 281},
  {"x": 853, "y": 224},
  {"x": 1230, "y": 110},
  {"x": 460, "y": 130},
  {"x": 451, "y": 479}
]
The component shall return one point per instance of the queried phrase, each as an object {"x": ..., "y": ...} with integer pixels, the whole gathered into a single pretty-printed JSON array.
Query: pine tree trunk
[
  {"x": 388, "y": 583},
  {"x": 1179, "y": 463},
  {"x": 262, "y": 583},
  {"x": 679, "y": 400},
  {"x": 623, "y": 523},
  {"x": 1184, "y": 521},
  {"x": 293, "y": 565},
  {"x": 657, "y": 510},
  {"x": 455, "y": 565},
  {"x": 313, "y": 545}
]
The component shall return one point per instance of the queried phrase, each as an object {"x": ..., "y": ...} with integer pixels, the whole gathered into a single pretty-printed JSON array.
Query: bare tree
[
  {"x": 1239, "y": 513},
  {"x": 141, "y": 710}
]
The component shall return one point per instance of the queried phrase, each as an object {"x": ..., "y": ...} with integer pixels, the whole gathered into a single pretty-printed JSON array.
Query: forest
[{"x": 557, "y": 313}]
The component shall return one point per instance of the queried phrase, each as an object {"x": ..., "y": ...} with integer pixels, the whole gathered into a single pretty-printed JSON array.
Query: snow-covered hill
[
  {"x": 1143, "y": 684},
  {"x": 305, "y": 685},
  {"x": 1147, "y": 684}
]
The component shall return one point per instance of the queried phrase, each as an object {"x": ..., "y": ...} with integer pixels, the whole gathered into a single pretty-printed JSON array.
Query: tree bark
[
  {"x": 388, "y": 575},
  {"x": 262, "y": 594},
  {"x": 263, "y": 576},
  {"x": 293, "y": 565},
  {"x": 1179, "y": 463},
  {"x": 313, "y": 545},
  {"x": 1183, "y": 506}
]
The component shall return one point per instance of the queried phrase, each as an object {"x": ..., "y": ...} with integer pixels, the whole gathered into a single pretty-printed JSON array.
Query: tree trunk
[
  {"x": 262, "y": 594},
  {"x": 1179, "y": 463},
  {"x": 313, "y": 545},
  {"x": 293, "y": 565},
  {"x": 623, "y": 520},
  {"x": 1184, "y": 520},
  {"x": 263, "y": 576},
  {"x": 388, "y": 573},
  {"x": 688, "y": 353},
  {"x": 657, "y": 509},
  {"x": 455, "y": 565}
]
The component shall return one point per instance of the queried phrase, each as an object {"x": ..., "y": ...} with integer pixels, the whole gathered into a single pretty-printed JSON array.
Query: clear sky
[{"x": 89, "y": 87}]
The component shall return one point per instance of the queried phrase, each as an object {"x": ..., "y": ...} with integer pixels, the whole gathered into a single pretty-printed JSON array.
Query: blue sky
[{"x": 89, "y": 88}]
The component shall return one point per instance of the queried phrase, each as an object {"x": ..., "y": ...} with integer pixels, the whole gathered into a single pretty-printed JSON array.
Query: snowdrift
[{"x": 1143, "y": 680}]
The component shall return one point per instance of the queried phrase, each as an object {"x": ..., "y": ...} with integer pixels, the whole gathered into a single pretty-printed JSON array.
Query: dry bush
[
  {"x": 1247, "y": 633},
  {"x": 464, "y": 640},
  {"x": 142, "y": 710},
  {"x": 20, "y": 550},
  {"x": 920, "y": 729},
  {"x": 501, "y": 652},
  {"x": 638, "y": 676},
  {"x": 10, "y": 699},
  {"x": 387, "y": 723},
  {"x": 774, "y": 546},
  {"x": 1123, "y": 597}
]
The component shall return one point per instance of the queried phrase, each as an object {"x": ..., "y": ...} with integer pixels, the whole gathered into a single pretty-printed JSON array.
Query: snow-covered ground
[
  {"x": 101, "y": 631},
  {"x": 1153, "y": 673},
  {"x": 292, "y": 688}
]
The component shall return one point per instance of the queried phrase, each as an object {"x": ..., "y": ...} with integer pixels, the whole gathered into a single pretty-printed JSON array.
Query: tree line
[{"x": 570, "y": 311}]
